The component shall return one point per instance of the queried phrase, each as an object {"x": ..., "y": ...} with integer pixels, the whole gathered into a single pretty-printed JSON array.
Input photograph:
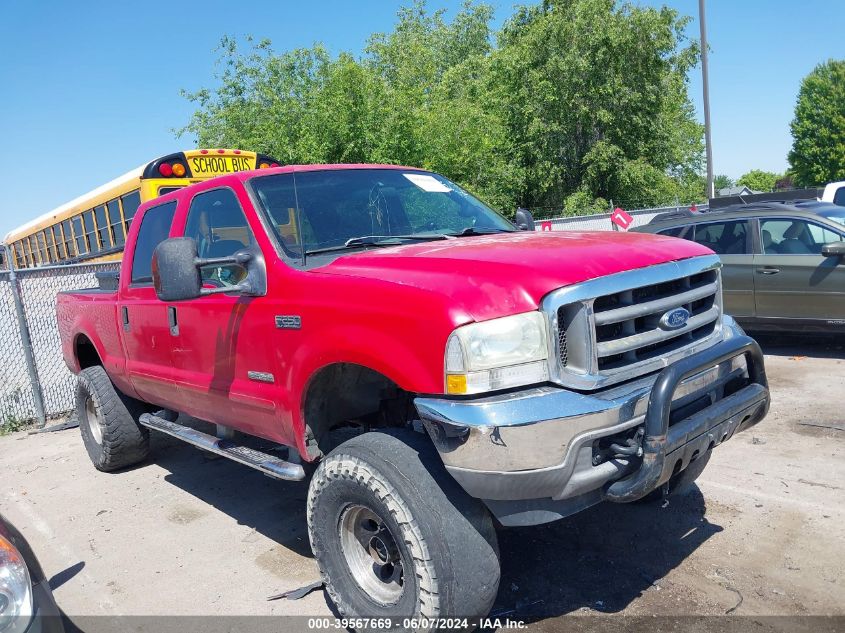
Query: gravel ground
[{"x": 761, "y": 535}]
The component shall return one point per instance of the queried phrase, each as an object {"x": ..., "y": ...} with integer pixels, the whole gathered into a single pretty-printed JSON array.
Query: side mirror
[
  {"x": 177, "y": 277},
  {"x": 834, "y": 249},
  {"x": 524, "y": 220}
]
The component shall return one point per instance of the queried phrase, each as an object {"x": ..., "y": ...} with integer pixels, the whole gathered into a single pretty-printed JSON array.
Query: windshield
[{"x": 357, "y": 208}]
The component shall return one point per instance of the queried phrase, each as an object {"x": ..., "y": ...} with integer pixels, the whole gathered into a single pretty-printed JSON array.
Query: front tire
[
  {"x": 396, "y": 537},
  {"x": 108, "y": 421}
]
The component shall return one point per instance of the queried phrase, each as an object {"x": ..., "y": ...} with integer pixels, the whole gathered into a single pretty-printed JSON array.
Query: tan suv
[{"x": 784, "y": 263}]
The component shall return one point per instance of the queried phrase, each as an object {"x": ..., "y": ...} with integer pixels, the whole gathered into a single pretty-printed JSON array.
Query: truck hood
[{"x": 507, "y": 273}]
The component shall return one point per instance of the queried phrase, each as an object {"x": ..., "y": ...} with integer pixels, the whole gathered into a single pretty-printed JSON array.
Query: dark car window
[
  {"x": 218, "y": 225},
  {"x": 684, "y": 232},
  {"x": 155, "y": 227},
  {"x": 839, "y": 197},
  {"x": 723, "y": 238},
  {"x": 787, "y": 236}
]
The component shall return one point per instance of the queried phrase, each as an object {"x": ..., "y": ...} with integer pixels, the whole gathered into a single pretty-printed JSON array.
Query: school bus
[{"x": 93, "y": 227}]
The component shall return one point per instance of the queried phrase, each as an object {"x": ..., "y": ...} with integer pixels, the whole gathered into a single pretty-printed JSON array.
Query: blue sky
[{"x": 91, "y": 89}]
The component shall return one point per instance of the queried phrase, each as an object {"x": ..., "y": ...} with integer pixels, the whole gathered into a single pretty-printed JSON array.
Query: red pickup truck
[{"x": 428, "y": 366}]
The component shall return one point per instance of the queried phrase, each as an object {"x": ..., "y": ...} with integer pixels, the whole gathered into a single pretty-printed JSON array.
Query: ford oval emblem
[{"x": 674, "y": 319}]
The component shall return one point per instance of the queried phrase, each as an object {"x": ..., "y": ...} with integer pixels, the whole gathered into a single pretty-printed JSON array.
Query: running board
[{"x": 267, "y": 464}]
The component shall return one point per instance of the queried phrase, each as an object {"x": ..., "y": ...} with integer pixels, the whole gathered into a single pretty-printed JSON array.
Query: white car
[{"x": 835, "y": 192}]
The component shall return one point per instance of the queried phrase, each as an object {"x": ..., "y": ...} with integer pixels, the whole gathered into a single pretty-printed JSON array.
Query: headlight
[
  {"x": 497, "y": 354},
  {"x": 15, "y": 590}
]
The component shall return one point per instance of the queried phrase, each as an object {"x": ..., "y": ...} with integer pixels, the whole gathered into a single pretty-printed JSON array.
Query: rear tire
[
  {"x": 108, "y": 421},
  {"x": 396, "y": 537}
]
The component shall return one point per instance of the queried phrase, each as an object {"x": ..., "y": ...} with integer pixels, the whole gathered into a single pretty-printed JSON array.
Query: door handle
[
  {"x": 171, "y": 321},
  {"x": 124, "y": 317},
  {"x": 768, "y": 271}
]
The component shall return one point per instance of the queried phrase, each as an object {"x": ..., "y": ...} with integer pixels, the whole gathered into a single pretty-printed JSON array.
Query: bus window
[
  {"x": 17, "y": 249},
  {"x": 115, "y": 224},
  {"x": 69, "y": 251},
  {"x": 131, "y": 201},
  {"x": 42, "y": 248},
  {"x": 102, "y": 227},
  {"x": 79, "y": 235},
  {"x": 51, "y": 246},
  {"x": 90, "y": 234},
  {"x": 59, "y": 242},
  {"x": 30, "y": 254}
]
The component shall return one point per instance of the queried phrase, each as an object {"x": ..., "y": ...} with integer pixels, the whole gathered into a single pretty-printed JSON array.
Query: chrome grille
[
  {"x": 608, "y": 330},
  {"x": 627, "y": 323}
]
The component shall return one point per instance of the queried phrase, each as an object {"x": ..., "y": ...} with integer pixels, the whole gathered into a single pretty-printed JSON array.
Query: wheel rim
[
  {"x": 372, "y": 555},
  {"x": 92, "y": 416}
]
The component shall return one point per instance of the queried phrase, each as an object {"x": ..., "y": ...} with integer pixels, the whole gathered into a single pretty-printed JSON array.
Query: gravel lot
[{"x": 762, "y": 535}]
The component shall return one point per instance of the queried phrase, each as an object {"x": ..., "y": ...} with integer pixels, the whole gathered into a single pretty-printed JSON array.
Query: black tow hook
[{"x": 632, "y": 447}]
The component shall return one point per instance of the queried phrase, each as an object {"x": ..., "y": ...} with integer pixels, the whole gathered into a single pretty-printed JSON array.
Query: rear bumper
[{"x": 537, "y": 455}]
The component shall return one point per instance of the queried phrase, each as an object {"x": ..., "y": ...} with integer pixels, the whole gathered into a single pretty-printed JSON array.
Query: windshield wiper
[
  {"x": 471, "y": 230},
  {"x": 380, "y": 240}
]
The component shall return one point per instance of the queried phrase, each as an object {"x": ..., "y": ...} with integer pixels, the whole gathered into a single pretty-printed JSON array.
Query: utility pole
[{"x": 708, "y": 144}]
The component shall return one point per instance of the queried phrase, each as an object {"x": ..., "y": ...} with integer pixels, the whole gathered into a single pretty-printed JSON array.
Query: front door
[
  {"x": 223, "y": 356},
  {"x": 793, "y": 280}
]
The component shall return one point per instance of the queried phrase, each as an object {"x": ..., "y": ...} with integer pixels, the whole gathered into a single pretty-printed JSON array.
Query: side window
[
  {"x": 218, "y": 225},
  {"x": 103, "y": 227},
  {"x": 155, "y": 227},
  {"x": 115, "y": 227},
  {"x": 90, "y": 234},
  {"x": 79, "y": 235},
  {"x": 59, "y": 242},
  {"x": 822, "y": 235},
  {"x": 131, "y": 201},
  {"x": 68, "y": 246},
  {"x": 279, "y": 199},
  {"x": 724, "y": 238},
  {"x": 785, "y": 236},
  {"x": 839, "y": 197},
  {"x": 684, "y": 232}
]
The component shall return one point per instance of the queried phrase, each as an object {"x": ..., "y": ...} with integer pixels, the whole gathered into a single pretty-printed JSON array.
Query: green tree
[
  {"x": 583, "y": 97},
  {"x": 818, "y": 129},
  {"x": 722, "y": 182},
  {"x": 585, "y": 86},
  {"x": 759, "y": 180}
]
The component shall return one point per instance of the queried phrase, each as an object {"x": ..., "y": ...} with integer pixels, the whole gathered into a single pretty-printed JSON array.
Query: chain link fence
[
  {"x": 601, "y": 221},
  {"x": 38, "y": 288}
]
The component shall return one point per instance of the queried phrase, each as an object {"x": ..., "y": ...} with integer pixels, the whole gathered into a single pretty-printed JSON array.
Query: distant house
[{"x": 737, "y": 190}]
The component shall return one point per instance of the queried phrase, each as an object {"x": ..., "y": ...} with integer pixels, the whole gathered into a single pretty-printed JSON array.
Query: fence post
[{"x": 23, "y": 328}]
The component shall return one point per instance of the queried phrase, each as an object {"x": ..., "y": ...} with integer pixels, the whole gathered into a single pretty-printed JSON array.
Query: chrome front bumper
[{"x": 531, "y": 454}]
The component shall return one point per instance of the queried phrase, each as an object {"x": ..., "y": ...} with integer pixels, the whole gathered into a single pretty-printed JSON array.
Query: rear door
[
  {"x": 143, "y": 317},
  {"x": 793, "y": 280}
]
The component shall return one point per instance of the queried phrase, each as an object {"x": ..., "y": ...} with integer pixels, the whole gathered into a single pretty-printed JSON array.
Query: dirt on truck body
[{"x": 431, "y": 369}]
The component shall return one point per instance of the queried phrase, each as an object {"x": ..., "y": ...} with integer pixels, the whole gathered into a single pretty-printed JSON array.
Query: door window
[
  {"x": 218, "y": 225},
  {"x": 155, "y": 227},
  {"x": 786, "y": 236},
  {"x": 685, "y": 232},
  {"x": 723, "y": 238}
]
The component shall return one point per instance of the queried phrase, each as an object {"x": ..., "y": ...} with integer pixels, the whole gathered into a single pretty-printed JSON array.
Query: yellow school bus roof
[{"x": 101, "y": 194}]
